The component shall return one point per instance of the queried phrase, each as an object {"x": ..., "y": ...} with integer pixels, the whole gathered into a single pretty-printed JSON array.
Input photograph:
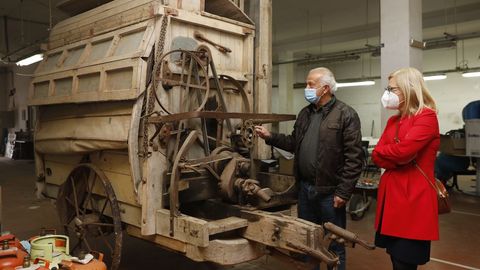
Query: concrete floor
[{"x": 459, "y": 247}]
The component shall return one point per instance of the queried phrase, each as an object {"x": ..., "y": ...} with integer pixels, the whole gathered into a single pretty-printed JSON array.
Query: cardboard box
[
  {"x": 452, "y": 146},
  {"x": 285, "y": 166},
  {"x": 472, "y": 134}
]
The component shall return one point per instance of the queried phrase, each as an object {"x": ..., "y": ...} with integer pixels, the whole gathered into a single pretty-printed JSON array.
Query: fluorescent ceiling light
[
  {"x": 471, "y": 74},
  {"x": 359, "y": 83},
  {"x": 30, "y": 60},
  {"x": 435, "y": 77}
]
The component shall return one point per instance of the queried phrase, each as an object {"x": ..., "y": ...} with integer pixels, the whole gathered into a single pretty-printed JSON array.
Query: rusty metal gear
[{"x": 248, "y": 134}]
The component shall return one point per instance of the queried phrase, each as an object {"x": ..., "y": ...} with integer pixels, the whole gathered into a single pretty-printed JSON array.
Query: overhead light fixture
[
  {"x": 471, "y": 74},
  {"x": 30, "y": 60},
  {"x": 435, "y": 77},
  {"x": 359, "y": 83}
]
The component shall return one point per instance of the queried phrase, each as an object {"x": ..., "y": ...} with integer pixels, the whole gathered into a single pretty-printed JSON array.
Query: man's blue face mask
[{"x": 311, "y": 95}]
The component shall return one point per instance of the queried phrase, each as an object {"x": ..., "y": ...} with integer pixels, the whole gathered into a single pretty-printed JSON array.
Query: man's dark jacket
[{"x": 340, "y": 155}]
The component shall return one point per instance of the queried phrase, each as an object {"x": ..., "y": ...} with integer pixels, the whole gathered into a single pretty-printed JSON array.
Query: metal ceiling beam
[
  {"x": 30, "y": 45},
  {"x": 331, "y": 57}
]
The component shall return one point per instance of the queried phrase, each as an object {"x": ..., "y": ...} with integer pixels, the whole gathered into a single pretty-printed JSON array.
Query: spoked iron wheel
[
  {"x": 90, "y": 214},
  {"x": 188, "y": 89}
]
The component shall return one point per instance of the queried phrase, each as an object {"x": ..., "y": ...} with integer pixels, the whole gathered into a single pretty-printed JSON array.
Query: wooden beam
[
  {"x": 166, "y": 242},
  {"x": 278, "y": 230},
  {"x": 227, "y": 251},
  {"x": 226, "y": 224},
  {"x": 186, "y": 228},
  {"x": 261, "y": 13}
]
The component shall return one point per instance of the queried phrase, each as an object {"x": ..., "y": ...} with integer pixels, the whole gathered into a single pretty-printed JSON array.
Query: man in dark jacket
[{"x": 326, "y": 141}]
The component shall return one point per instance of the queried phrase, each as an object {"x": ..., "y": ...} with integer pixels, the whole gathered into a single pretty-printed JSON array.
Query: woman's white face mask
[{"x": 390, "y": 100}]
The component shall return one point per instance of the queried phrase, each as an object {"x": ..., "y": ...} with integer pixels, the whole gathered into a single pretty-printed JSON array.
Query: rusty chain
[{"x": 150, "y": 104}]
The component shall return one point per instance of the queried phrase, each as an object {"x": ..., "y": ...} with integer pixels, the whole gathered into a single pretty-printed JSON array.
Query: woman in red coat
[{"x": 407, "y": 215}]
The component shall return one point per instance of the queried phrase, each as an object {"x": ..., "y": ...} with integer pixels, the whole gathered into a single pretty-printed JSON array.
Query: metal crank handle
[
  {"x": 219, "y": 47},
  {"x": 347, "y": 235}
]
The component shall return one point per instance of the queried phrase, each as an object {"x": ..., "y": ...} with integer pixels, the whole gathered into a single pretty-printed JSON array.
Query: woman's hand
[{"x": 262, "y": 132}]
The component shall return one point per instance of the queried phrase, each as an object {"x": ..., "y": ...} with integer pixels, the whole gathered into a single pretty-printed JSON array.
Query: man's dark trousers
[{"x": 318, "y": 208}]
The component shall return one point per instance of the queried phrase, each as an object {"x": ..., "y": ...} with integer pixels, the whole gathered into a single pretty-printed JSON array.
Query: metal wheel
[
  {"x": 186, "y": 89},
  {"x": 90, "y": 214},
  {"x": 358, "y": 206},
  {"x": 235, "y": 88}
]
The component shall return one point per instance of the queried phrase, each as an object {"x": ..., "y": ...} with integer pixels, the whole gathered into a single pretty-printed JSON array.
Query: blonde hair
[{"x": 417, "y": 97}]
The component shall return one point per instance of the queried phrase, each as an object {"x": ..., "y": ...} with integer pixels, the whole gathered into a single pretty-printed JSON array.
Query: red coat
[{"x": 410, "y": 203}]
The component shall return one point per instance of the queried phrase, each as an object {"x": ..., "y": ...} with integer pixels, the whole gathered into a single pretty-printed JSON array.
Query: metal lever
[
  {"x": 346, "y": 235},
  {"x": 219, "y": 47}
]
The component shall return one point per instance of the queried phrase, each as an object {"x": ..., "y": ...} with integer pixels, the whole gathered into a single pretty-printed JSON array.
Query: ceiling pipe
[
  {"x": 326, "y": 56},
  {"x": 33, "y": 44},
  {"x": 446, "y": 41}
]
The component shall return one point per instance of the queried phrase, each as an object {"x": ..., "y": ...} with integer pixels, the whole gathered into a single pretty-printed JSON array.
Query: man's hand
[
  {"x": 338, "y": 202},
  {"x": 262, "y": 132}
]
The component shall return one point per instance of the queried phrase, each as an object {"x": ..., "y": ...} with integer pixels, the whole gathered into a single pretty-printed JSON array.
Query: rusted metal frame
[
  {"x": 239, "y": 88},
  {"x": 175, "y": 178},
  {"x": 180, "y": 125},
  {"x": 206, "y": 160},
  {"x": 187, "y": 87},
  {"x": 206, "y": 144},
  {"x": 177, "y": 141},
  {"x": 257, "y": 118},
  {"x": 219, "y": 132},
  {"x": 184, "y": 57},
  {"x": 220, "y": 93},
  {"x": 177, "y": 83}
]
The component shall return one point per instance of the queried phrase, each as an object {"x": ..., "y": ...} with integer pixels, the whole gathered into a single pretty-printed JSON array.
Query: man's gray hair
[{"x": 327, "y": 77}]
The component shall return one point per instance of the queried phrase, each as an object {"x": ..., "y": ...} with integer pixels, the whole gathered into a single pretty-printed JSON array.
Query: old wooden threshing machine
[{"x": 145, "y": 125}]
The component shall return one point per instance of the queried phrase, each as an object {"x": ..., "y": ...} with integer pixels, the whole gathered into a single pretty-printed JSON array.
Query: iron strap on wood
[{"x": 255, "y": 117}]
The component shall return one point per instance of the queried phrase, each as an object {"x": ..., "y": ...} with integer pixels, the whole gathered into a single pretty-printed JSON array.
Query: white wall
[
  {"x": 451, "y": 94},
  {"x": 21, "y": 82}
]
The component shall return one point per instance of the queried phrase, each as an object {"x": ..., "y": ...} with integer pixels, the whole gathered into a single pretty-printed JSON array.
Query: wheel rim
[
  {"x": 90, "y": 214},
  {"x": 193, "y": 83}
]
